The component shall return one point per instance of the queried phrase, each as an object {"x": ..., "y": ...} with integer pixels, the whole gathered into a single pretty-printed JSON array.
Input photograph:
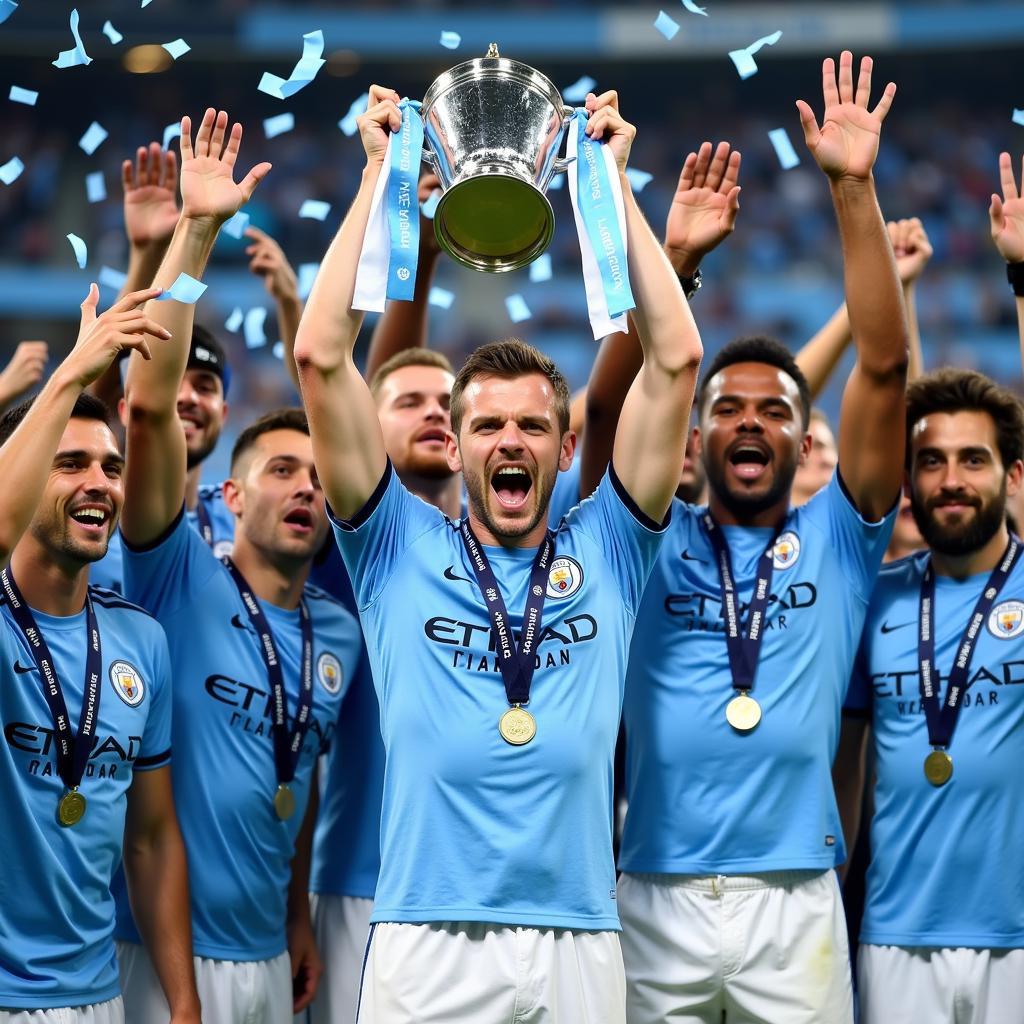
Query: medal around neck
[
  {"x": 938, "y": 767},
  {"x": 71, "y": 808},
  {"x": 284, "y": 802},
  {"x": 743, "y": 713},
  {"x": 517, "y": 726}
]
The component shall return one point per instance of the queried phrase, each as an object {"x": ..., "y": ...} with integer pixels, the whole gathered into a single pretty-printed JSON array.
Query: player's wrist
[{"x": 1015, "y": 277}]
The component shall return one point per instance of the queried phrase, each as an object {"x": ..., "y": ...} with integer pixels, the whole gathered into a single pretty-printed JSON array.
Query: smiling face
[
  {"x": 202, "y": 411},
  {"x": 510, "y": 449},
  {"x": 413, "y": 405},
  {"x": 959, "y": 485},
  {"x": 752, "y": 436}
]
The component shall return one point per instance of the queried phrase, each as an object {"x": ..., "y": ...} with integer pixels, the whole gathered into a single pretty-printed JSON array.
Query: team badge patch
[
  {"x": 787, "y": 550},
  {"x": 565, "y": 577},
  {"x": 223, "y": 549},
  {"x": 127, "y": 682},
  {"x": 1006, "y": 620},
  {"x": 328, "y": 671}
]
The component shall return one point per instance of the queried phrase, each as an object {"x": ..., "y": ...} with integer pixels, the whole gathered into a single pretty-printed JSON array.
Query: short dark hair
[
  {"x": 409, "y": 357},
  {"x": 757, "y": 348},
  {"x": 509, "y": 358},
  {"x": 953, "y": 390},
  {"x": 86, "y": 407},
  {"x": 277, "y": 419}
]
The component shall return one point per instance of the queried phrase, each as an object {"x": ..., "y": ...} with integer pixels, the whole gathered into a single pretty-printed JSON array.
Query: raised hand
[
  {"x": 25, "y": 369},
  {"x": 150, "y": 195},
  {"x": 911, "y": 247},
  {"x": 1007, "y": 214},
  {"x": 704, "y": 208},
  {"x": 268, "y": 261},
  {"x": 606, "y": 123},
  {"x": 846, "y": 144},
  {"x": 208, "y": 188},
  {"x": 382, "y": 114}
]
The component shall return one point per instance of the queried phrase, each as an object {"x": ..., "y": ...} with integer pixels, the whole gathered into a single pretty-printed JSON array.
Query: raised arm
[
  {"x": 24, "y": 371},
  {"x": 155, "y": 475},
  {"x": 702, "y": 215},
  {"x": 1007, "y": 217},
  {"x": 651, "y": 436},
  {"x": 347, "y": 442},
  {"x": 26, "y": 457},
  {"x": 872, "y": 420}
]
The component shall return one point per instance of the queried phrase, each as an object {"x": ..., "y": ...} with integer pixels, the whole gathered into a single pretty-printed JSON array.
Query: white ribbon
[{"x": 372, "y": 272}]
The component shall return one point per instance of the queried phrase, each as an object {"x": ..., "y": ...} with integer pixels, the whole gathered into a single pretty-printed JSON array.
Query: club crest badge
[
  {"x": 127, "y": 683},
  {"x": 565, "y": 577},
  {"x": 787, "y": 550},
  {"x": 328, "y": 671},
  {"x": 1006, "y": 620}
]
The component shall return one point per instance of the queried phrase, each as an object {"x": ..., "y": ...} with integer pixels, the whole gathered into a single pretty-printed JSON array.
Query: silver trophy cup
[{"x": 492, "y": 128}]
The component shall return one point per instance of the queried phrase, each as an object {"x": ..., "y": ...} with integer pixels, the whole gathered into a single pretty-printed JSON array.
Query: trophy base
[{"x": 494, "y": 222}]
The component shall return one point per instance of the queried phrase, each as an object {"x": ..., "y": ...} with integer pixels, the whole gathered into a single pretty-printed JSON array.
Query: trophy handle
[
  {"x": 562, "y": 163},
  {"x": 429, "y": 159}
]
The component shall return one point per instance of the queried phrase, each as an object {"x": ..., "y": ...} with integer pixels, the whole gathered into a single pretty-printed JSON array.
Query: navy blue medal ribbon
[
  {"x": 287, "y": 742},
  {"x": 72, "y": 749},
  {"x": 205, "y": 523}
]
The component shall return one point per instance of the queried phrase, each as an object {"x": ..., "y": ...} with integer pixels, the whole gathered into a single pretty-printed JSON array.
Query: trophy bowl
[{"x": 492, "y": 128}]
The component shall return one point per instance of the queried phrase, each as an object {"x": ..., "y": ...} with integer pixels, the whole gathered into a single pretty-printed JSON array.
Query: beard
[
  {"x": 965, "y": 537},
  {"x": 743, "y": 503},
  {"x": 199, "y": 454},
  {"x": 476, "y": 492},
  {"x": 426, "y": 467}
]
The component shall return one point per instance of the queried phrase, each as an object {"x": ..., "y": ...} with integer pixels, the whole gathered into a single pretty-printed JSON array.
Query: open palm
[
  {"x": 846, "y": 144},
  {"x": 150, "y": 195},
  {"x": 1007, "y": 214}
]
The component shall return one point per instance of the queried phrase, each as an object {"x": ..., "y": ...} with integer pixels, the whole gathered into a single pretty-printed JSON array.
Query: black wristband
[
  {"x": 691, "y": 285},
  {"x": 1015, "y": 275}
]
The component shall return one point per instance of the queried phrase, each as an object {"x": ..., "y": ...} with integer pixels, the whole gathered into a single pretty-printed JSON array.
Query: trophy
[{"x": 492, "y": 128}]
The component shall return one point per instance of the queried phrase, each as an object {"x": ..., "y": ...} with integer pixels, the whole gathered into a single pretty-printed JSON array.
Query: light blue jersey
[
  {"x": 473, "y": 829},
  {"x": 947, "y": 862},
  {"x": 56, "y": 910},
  {"x": 239, "y": 853},
  {"x": 703, "y": 798},
  {"x": 109, "y": 571},
  {"x": 566, "y": 494}
]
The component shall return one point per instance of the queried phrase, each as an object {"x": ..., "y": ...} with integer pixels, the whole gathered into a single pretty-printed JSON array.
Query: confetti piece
[
  {"x": 11, "y": 171},
  {"x": 111, "y": 33},
  {"x": 26, "y": 96},
  {"x": 1018, "y": 117},
  {"x": 451, "y": 40},
  {"x": 638, "y": 179},
  {"x": 557, "y": 182},
  {"x": 171, "y": 132},
  {"x": 81, "y": 252},
  {"x": 146, "y": 3},
  {"x": 234, "y": 321},
  {"x": 112, "y": 278},
  {"x": 744, "y": 59},
  {"x": 7, "y": 8},
  {"x": 429, "y": 206},
  {"x": 307, "y": 275},
  {"x": 348, "y": 123},
  {"x": 77, "y": 55},
  {"x": 177, "y": 48},
  {"x": 315, "y": 209},
  {"x": 540, "y": 268},
  {"x": 518, "y": 310},
  {"x": 783, "y": 148},
  {"x": 253, "y": 330},
  {"x": 441, "y": 297},
  {"x": 235, "y": 227},
  {"x": 93, "y": 138},
  {"x": 95, "y": 187},
  {"x": 694, "y": 9},
  {"x": 577, "y": 92},
  {"x": 278, "y": 349},
  {"x": 302, "y": 74},
  {"x": 186, "y": 289},
  {"x": 274, "y": 126},
  {"x": 665, "y": 25}
]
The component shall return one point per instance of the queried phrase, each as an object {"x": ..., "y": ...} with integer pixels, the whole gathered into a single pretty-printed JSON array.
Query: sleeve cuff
[
  {"x": 143, "y": 764},
  {"x": 369, "y": 508},
  {"x": 633, "y": 508},
  {"x": 849, "y": 497}
]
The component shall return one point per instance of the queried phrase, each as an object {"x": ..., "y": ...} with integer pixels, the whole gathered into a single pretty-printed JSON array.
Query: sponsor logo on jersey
[
  {"x": 787, "y": 550},
  {"x": 328, "y": 671},
  {"x": 1006, "y": 620},
  {"x": 127, "y": 683},
  {"x": 565, "y": 577}
]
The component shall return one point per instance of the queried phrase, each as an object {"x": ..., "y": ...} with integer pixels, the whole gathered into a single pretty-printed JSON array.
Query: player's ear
[
  {"x": 565, "y": 456},
  {"x": 233, "y": 497},
  {"x": 452, "y": 453},
  {"x": 1014, "y": 475}
]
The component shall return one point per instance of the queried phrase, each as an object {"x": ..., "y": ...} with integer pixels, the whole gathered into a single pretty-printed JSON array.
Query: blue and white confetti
[
  {"x": 7, "y": 8},
  {"x": 1018, "y": 117},
  {"x": 577, "y": 92},
  {"x": 176, "y": 48},
  {"x": 253, "y": 329},
  {"x": 234, "y": 321},
  {"x": 81, "y": 252},
  {"x": 11, "y": 171},
  {"x": 186, "y": 289},
  {"x": 76, "y": 55},
  {"x": 111, "y": 33},
  {"x": 518, "y": 310},
  {"x": 111, "y": 278},
  {"x": 278, "y": 349},
  {"x": 93, "y": 138},
  {"x": 638, "y": 179},
  {"x": 278, "y": 125},
  {"x": 744, "y": 59},
  {"x": 441, "y": 297},
  {"x": 451, "y": 40},
  {"x": 314, "y": 209},
  {"x": 26, "y": 96},
  {"x": 307, "y": 275},
  {"x": 429, "y": 205},
  {"x": 95, "y": 187},
  {"x": 348, "y": 123},
  {"x": 557, "y": 182},
  {"x": 236, "y": 225},
  {"x": 665, "y": 25},
  {"x": 302, "y": 74},
  {"x": 540, "y": 268},
  {"x": 694, "y": 9},
  {"x": 146, "y": 3},
  {"x": 784, "y": 148},
  {"x": 171, "y": 132}
]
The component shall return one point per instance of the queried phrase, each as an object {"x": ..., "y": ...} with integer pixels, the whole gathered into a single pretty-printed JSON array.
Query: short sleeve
[
  {"x": 373, "y": 542},
  {"x": 170, "y": 573},
  {"x": 858, "y": 694},
  {"x": 628, "y": 539},
  {"x": 155, "y": 751}
]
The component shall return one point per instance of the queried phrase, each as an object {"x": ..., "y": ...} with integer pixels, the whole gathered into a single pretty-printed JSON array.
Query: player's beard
[
  {"x": 742, "y": 503},
  {"x": 53, "y": 533},
  {"x": 425, "y": 467},
  {"x": 196, "y": 456},
  {"x": 476, "y": 493},
  {"x": 966, "y": 537}
]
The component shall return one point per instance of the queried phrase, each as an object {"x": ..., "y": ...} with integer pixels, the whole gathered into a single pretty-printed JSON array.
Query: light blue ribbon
[
  {"x": 600, "y": 217},
  {"x": 402, "y": 203}
]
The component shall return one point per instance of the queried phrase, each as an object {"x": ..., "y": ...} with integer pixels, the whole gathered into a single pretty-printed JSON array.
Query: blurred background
[{"x": 958, "y": 66}]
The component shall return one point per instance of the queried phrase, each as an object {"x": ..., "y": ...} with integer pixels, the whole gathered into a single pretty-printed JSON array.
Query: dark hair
[
  {"x": 953, "y": 390},
  {"x": 409, "y": 357},
  {"x": 205, "y": 352},
  {"x": 510, "y": 358},
  {"x": 757, "y": 348},
  {"x": 277, "y": 419},
  {"x": 86, "y": 407}
]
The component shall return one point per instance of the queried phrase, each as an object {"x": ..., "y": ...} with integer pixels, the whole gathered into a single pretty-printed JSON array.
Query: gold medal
[
  {"x": 71, "y": 808},
  {"x": 284, "y": 802},
  {"x": 517, "y": 726},
  {"x": 938, "y": 767},
  {"x": 743, "y": 712}
]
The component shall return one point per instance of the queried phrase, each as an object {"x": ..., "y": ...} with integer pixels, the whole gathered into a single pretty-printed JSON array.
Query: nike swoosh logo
[
  {"x": 21, "y": 669},
  {"x": 886, "y": 628},
  {"x": 687, "y": 557},
  {"x": 449, "y": 574},
  {"x": 237, "y": 622}
]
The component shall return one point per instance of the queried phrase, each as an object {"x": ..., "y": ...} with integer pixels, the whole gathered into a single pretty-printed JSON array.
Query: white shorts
[
  {"x": 940, "y": 986},
  {"x": 476, "y": 973},
  {"x": 230, "y": 991},
  {"x": 110, "y": 1012},
  {"x": 764, "y": 949},
  {"x": 341, "y": 925}
]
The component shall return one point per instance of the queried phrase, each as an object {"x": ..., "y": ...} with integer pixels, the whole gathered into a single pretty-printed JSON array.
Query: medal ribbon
[
  {"x": 205, "y": 523},
  {"x": 72, "y": 750},
  {"x": 942, "y": 719},
  {"x": 287, "y": 743},
  {"x": 744, "y": 648},
  {"x": 516, "y": 663}
]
